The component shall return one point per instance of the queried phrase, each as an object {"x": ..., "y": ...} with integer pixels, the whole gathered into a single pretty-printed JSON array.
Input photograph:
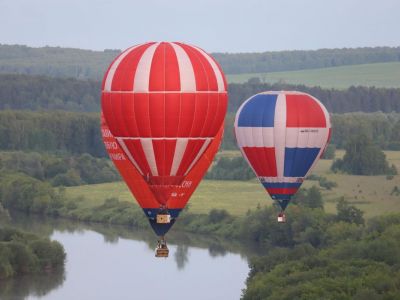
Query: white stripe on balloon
[
  {"x": 142, "y": 75},
  {"x": 148, "y": 150},
  {"x": 180, "y": 148},
  {"x": 113, "y": 68},
  {"x": 186, "y": 72},
  {"x": 280, "y": 133}
]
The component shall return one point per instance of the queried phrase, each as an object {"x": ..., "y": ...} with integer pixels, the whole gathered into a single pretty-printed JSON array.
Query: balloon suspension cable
[{"x": 162, "y": 248}]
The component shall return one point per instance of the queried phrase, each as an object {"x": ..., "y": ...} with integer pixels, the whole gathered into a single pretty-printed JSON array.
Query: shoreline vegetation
[{"x": 24, "y": 253}]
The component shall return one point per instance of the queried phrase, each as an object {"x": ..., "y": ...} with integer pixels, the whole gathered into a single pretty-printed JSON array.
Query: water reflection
[
  {"x": 181, "y": 256},
  {"x": 37, "y": 285},
  {"x": 217, "y": 247},
  {"x": 116, "y": 262}
]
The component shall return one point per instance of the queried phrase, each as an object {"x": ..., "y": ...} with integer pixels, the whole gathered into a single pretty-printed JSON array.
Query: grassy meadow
[
  {"x": 372, "y": 194},
  {"x": 378, "y": 74}
]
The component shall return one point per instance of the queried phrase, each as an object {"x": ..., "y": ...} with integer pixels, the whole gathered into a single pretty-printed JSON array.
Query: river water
[{"x": 112, "y": 262}]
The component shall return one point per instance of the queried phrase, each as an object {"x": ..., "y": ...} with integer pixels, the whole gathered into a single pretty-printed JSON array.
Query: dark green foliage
[
  {"x": 395, "y": 191},
  {"x": 230, "y": 169},
  {"x": 55, "y": 61},
  {"x": 352, "y": 262},
  {"x": 78, "y": 63},
  {"x": 236, "y": 63},
  {"x": 381, "y": 128},
  {"x": 24, "y": 92},
  {"x": 23, "y": 253},
  {"x": 311, "y": 197},
  {"x": 349, "y": 213},
  {"x": 59, "y": 169},
  {"x": 363, "y": 158},
  {"x": 353, "y": 99},
  {"x": 74, "y": 133},
  {"x": 329, "y": 152}
]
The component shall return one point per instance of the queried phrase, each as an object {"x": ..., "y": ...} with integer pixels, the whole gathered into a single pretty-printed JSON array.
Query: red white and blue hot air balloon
[
  {"x": 163, "y": 110},
  {"x": 282, "y": 135}
]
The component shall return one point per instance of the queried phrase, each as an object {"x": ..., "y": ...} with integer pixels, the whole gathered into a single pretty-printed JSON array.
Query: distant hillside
[
  {"x": 87, "y": 64},
  {"x": 238, "y": 63},
  {"x": 377, "y": 74},
  {"x": 55, "y": 61},
  {"x": 22, "y": 92}
]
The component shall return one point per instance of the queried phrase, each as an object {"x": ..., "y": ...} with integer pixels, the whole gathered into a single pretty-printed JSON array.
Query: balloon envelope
[
  {"x": 282, "y": 135},
  {"x": 163, "y": 106}
]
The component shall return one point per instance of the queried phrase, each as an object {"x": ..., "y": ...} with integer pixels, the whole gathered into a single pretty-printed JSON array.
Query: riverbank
[{"x": 25, "y": 253}]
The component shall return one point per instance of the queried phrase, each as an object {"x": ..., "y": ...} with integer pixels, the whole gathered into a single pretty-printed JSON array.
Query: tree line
[
  {"x": 79, "y": 133},
  {"x": 87, "y": 64},
  {"x": 74, "y": 133},
  {"x": 59, "y": 170},
  {"x": 24, "y": 92},
  {"x": 353, "y": 99}
]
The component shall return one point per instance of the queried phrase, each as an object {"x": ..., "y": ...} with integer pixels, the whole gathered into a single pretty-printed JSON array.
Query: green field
[
  {"x": 369, "y": 193},
  {"x": 378, "y": 74}
]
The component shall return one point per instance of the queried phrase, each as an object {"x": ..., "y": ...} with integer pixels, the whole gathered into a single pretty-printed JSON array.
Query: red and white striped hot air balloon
[{"x": 165, "y": 103}]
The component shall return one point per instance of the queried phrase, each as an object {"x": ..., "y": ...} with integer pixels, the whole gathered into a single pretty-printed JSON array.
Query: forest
[
  {"x": 43, "y": 93},
  {"x": 87, "y": 64}
]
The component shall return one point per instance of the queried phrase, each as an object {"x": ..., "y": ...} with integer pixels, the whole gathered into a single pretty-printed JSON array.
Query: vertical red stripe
[
  {"x": 142, "y": 116},
  {"x": 118, "y": 111},
  {"x": 129, "y": 114},
  {"x": 106, "y": 107},
  {"x": 172, "y": 81},
  {"x": 157, "y": 114},
  {"x": 157, "y": 70},
  {"x": 187, "y": 110},
  {"x": 200, "y": 115},
  {"x": 303, "y": 111},
  {"x": 172, "y": 114}
]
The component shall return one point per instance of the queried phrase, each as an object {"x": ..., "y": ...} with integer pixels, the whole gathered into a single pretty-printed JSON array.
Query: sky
[{"x": 214, "y": 25}]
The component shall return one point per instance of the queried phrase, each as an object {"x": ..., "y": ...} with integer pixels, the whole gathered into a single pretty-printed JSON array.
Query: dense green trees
[
  {"x": 66, "y": 132},
  {"x": 66, "y": 170},
  {"x": 77, "y": 63},
  {"x": 23, "y": 253},
  {"x": 226, "y": 168},
  {"x": 236, "y": 63},
  {"x": 353, "y": 99},
  {"x": 353, "y": 262},
  {"x": 55, "y": 61},
  {"x": 363, "y": 157},
  {"x": 46, "y": 93}
]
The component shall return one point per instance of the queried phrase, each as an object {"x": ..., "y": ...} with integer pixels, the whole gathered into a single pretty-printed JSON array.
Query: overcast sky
[{"x": 215, "y": 25}]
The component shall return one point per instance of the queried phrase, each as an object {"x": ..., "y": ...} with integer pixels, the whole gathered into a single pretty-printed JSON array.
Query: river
[{"x": 112, "y": 262}]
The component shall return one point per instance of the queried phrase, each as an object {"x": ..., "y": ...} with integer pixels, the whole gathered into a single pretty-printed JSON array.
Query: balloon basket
[
  {"x": 163, "y": 218},
  {"x": 282, "y": 217},
  {"x": 162, "y": 249}
]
